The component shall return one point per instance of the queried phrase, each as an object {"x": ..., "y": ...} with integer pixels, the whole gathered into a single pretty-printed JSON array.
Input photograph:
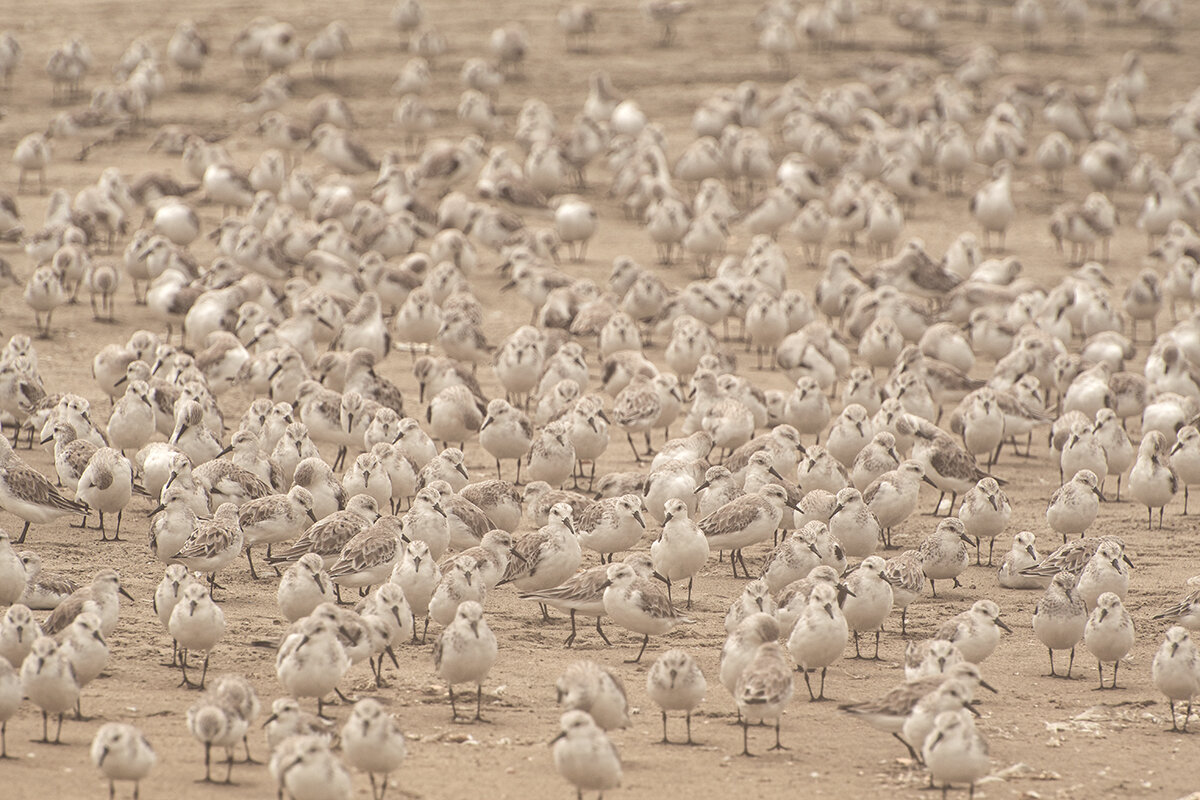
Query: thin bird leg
[
  {"x": 645, "y": 641},
  {"x": 600, "y": 631}
]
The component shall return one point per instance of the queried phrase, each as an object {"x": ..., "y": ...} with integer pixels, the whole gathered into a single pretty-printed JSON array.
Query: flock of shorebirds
[{"x": 321, "y": 279}]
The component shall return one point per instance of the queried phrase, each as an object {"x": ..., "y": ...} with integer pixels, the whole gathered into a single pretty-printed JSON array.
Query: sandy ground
[{"x": 1053, "y": 738}]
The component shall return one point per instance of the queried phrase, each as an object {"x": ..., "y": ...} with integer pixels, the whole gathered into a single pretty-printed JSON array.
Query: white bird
[
  {"x": 637, "y": 604},
  {"x": 676, "y": 683},
  {"x": 48, "y": 680},
  {"x": 1176, "y": 671},
  {"x": 197, "y": 623},
  {"x": 584, "y": 755},
  {"x": 819, "y": 637},
  {"x": 311, "y": 661},
  {"x": 373, "y": 742},
  {"x": 465, "y": 653},
  {"x": 954, "y": 751},
  {"x": 122, "y": 753},
  {"x": 1060, "y": 618},
  {"x": 1153, "y": 481},
  {"x": 1109, "y": 634}
]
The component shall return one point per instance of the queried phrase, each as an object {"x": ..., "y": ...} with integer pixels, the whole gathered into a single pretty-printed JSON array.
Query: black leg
[
  {"x": 571, "y": 639},
  {"x": 645, "y": 641},
  {"x": 600, "y": 631}
]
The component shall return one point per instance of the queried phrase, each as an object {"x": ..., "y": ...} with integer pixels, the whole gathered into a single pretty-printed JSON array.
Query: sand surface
[{"x": 1051, "y": 738}]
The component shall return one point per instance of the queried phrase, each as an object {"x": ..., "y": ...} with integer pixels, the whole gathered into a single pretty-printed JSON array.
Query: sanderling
[
  {"x": 552, "y": 456},
  {"x": 854, "y": 525},
  {"x": 584, "y": 755},
  {"x": 975, "y": 632},
  {"x": 1082, "y": 450},
  {"x": 547, "y": 557},
  {"x": 1070, "y": 557},
  {"x": 27, "y": 494},
  {"x": 849, "y": 434},
  {"x": 611, "y": 525},
  {"x": 907, "y": 579},
  {"x": 869, "y": 600},
  {"x": 764, "y": 689},
  {"x": 373, "y": 742},
  {"x": 197, "y": 623},
  {"x": 311, "y": 661},
  {"x": 505, "y": 433},
  {"x": 947, "y": 466},
  {"x": 819, "y": 636},
  {"x": 1175, "y": 671},
  {"x": 588, "y": 686},
  {"x": 370, "y": 555},
  {"x": 793, "y": 558},
  {"x": 1152, "y": 481},
  {"x": 1023, "y": 555},
  {"x": 675, "y": 683},
  {"x": 755, "y": 599},
  {"x": 122, "y": 753},
  {"x": 418, "y": 575},
  {"x": 445, "y": 466},
  {"x": 952, "y": 695},
  {"x": 759, "y": 472},
  {"x": 636, "y": 410},
  {"x": 944, "y": 553},
  {"x": 226, "y": 482},
  {"x": 1106, "y": 571},
  {"x": 992, "y": 204},
  {"x": 1059, "y": 618},
  {"x": 637, "y": 604},
  {"x": 287, "y": 719},
  {"x": 741, "y": 645},
  {"x": 583, "y": 593},
  {"x": 984, "y": 512},
  {"x": 459, "y": 583},
  {"x": 807, "y": 408},
  {"x": 367, "y": 475},
  {"x": 44, "y": 590},
  {"x": 48, "y": 680},
  {"x": 490, "y": 556},
  {"x": 103, "y": 590},
  {"x": 719, "y": 487},
  {"x": 1187, "y": 611},
  {"x": 929, "y": 657},
  {"x": 174, "y": 520},
  {"x": 214, "y": 724},
  {"x": 455, "y": 414},
  {"x": 305, "y": 769},
  {"x": 465, "y": 653},
  {"x": 889, "y": 712},
  {"x": 747, "y": 520},
  {"x": 1074, "y": 506},
  {"x": 236, "y": 692},
  {"x": 539, "y": 499},
  {"x": 498, "y": 500},
  {"x": 84, "y": 646},
  {"x": 275, "y": 518},
  {"x": 18, "y": 631},
  {"x": 167, "y": 595},
  {"x": 1118, "y": 450},
  {"x": 954, "y": 751},
  {"x": 214, "y": 544},
  {"x": 1109, "y": 634},
  {"x": 327, "y": 536},
  {"x": 1185, "y": 459},
  {"x": 892, "y": 497},
  {"x": 13, "y": 574},
  {"x": 106, "y": 484}
]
